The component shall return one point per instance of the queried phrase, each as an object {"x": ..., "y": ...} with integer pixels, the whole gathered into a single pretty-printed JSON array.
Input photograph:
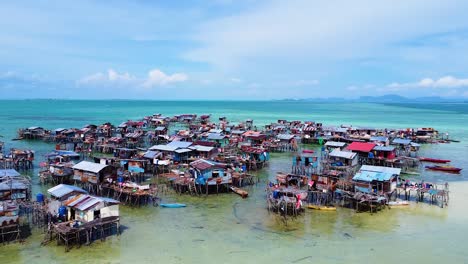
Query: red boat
[
  {"x": 434, "y": 160},
  {"x": 444, "y": 168}
]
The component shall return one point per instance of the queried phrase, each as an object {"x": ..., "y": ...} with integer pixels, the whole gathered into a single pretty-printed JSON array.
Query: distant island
[{"x": 389, "y": 98}]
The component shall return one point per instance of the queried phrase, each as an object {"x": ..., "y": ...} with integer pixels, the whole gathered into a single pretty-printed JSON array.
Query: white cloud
[
  {"x": 111, "y": 76},
  {"x": 444, "y": 82},
  {"x": 235, "y": 80},
  {"x": 155, "y": 78},
  {"x": 447, "y": 81},
  {"x": 158, "y": 78},
  {"x": 115, "y": 77}
]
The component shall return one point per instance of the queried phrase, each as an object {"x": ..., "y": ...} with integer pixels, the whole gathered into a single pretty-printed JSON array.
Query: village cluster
[{"x": 94, "y": 169}]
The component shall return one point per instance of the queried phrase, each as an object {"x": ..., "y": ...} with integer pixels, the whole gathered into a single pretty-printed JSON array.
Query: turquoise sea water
[{"x": 228, "y": 229}]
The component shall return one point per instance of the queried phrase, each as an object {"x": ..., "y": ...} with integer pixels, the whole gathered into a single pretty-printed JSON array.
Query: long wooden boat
[
  {"x": 239, "y": 191},
  {"x": 398, "y": 203},
  {"x": 172, "y": 205},
  {"x": 321, "y": 207},
  {"x": 444, "y": 168},
  {"x": 434, "y": 160}
]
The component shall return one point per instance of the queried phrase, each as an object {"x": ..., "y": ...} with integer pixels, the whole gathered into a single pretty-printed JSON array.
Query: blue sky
[{"x": 224, "y": 49}]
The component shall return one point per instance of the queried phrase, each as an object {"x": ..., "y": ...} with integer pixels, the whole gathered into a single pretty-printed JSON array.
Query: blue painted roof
[
  {"x": 180, "y": 144},
  {"x": 379, "y": 138},
  {"x": 369, "y": 176},
  {"x": 401, "y": 141},
  {"x": 150, "y": 154},
  {"x": 216, "y": 136},
  {"x": 384, "y": 148}
]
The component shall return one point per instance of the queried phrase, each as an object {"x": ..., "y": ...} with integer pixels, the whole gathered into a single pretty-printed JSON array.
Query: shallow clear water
[{"x": 227, "y": 229}]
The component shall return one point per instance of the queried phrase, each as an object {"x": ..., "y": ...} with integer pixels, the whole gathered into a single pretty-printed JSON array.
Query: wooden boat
[
  {"x": 444, "y": 168},
  {"x": 433, "y": 160},
  {"x": 398, "y": 203},
  {"x": 321, "y": 207},
  {"x": 172, "y": 205},
  {"x": 239, "y": 191}
]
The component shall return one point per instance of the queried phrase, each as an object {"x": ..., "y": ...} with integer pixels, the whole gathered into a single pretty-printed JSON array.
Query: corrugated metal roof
[
  {"x": 279, "y": 127},
  {"x": 395, "y": 171},
  {"x": 89, "y": 166},
  {"x": 237, "y": 132},
  {"x": 369, "y": 176},
  {"x": 9, "y": 173},
  {"x": 64, "y": 189},
  {"x": 342, "y": 154},
  {"x": 115, "y": 139},
  {"x": 384, "y": 148},
  {"x": 335, "y": 144},
  {"x": 134, "y": 135},
  {"x": 152, "y": 154},
  {"x": 216, "y": 136},
  {"x": 13, "y": 184},
  {"x": 180, "y": 144},
  {"x": 401, "y": 141},
  {"x": 285, "y": 136},
  {"x": 340, "y": 129},
  {"x": 87, "y": 203},
  {"x": 163, "y": 148},
  {"x": 378, "y": 138},
  {"x": 76, "y": 200},
  {"x": 201, "y": 164},
  {"x": 216, "y": 131},
  {"x": 183, "y": 150},
  {"x": 202, "y": 148},
  {"x": 365, "y": 128},
  {"x": 254, "y": 150},
  {"x": 309, "y": 128}
]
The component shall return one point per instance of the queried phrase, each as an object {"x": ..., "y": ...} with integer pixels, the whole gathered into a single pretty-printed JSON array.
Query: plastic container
[
  {"x": 62, "y": 211},
  {"x": 40, "y": 198}
]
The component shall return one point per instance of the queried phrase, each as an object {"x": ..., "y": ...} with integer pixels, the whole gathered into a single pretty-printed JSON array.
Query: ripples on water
[{"x": 227, "y": 229}]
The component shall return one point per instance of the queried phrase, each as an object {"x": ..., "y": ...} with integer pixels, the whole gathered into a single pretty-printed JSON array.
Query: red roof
[
  {"x": 254, "y": 150},
  {"x": 361, "y": 146},
  {"x": 205, "y": 143},
  {"x": 202, "y": 164}
]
